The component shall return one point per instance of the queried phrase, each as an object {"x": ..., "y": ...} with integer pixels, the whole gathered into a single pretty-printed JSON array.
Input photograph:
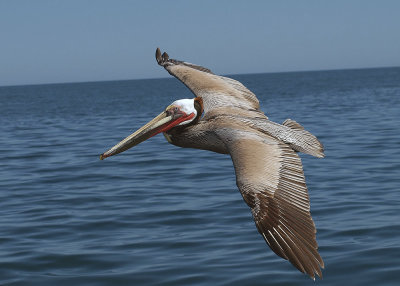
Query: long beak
[{"x": 161, "y": 123}]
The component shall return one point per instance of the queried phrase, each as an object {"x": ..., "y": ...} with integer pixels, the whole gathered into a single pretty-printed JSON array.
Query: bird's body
[{"x": 225, "y": 118}]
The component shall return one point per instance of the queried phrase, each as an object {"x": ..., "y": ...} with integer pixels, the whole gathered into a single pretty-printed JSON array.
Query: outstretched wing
[
  {"x": 270, "y": 177},
  {"x": 216, "y": 91}
]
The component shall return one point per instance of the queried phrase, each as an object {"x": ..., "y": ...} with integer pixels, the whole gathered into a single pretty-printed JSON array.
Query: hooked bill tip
[{"x": 102, "y": 157}]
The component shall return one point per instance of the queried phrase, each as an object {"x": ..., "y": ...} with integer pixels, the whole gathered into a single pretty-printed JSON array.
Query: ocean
[{"x": 162, "y": 215}]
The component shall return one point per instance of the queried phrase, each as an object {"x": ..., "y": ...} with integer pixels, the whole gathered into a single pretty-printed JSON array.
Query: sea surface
[{"x": 161, "y": 215}]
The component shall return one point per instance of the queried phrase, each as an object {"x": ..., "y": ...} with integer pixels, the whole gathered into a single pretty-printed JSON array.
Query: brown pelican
[{"x": 224, "y": 117}]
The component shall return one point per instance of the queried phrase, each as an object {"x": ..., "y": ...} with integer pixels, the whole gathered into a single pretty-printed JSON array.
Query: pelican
[{"x": 225, "y": 117}]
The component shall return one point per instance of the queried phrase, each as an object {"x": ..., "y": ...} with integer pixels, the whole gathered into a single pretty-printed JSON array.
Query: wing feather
[
  {"x": 270, "y": 177},
  {"x": 216, "y": 91}
]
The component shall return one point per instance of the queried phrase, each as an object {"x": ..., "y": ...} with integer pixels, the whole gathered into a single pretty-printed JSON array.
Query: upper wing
[
  {"x": 270, "y": 177},
  {"x": 216, "y": 91}
]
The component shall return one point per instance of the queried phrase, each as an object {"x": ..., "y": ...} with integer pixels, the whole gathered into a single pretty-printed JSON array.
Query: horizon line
[{"x": 226, "y": 75}]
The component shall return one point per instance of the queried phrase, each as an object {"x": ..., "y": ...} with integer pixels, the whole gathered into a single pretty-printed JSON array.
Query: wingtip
[
  {"x": 313, "y": 277},
  {"x": 158, "y": 55},
  {"x": 165, "y": 57},
  {"x": 317, "y": 272}
]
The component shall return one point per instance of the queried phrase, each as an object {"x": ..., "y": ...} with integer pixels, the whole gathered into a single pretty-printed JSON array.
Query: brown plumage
[{"x": 269, "y": 172}]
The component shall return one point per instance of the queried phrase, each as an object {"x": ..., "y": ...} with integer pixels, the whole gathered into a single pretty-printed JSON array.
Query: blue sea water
[{"x": 161, "y": 215}]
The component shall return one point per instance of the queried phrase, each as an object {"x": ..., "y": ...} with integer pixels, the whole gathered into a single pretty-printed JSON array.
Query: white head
[{"x": 185, "y": 106}]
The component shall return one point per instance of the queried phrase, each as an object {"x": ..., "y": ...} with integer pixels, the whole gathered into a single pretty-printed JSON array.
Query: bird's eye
[{"x": 176, "y": 109}]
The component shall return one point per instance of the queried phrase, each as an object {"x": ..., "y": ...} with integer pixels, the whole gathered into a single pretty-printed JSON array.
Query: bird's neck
[{"x": 196, "y": 136}]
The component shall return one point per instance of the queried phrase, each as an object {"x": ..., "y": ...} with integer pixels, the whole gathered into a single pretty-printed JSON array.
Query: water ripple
[{"x": 160, "y": 215}]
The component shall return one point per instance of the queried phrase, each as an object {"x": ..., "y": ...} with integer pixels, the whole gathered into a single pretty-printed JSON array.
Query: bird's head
[{"x": 182, "y": 112}]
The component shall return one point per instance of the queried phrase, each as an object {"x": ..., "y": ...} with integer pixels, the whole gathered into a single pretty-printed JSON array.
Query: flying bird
[{"x": 225, "y": 117}]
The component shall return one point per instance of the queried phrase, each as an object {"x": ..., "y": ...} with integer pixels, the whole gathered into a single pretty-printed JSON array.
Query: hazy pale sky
[{"x": 81, "y": 40}]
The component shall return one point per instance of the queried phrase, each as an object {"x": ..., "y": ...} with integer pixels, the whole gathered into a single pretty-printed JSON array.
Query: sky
[{"x": 81, "y": 40}]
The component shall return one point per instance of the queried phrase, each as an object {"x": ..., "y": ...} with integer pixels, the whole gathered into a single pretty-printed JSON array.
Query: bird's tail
[{"x": 304, "y": 141}]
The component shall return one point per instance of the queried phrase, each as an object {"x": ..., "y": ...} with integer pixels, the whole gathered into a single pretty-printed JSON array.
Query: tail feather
[{"x": 304, "y": 141}]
